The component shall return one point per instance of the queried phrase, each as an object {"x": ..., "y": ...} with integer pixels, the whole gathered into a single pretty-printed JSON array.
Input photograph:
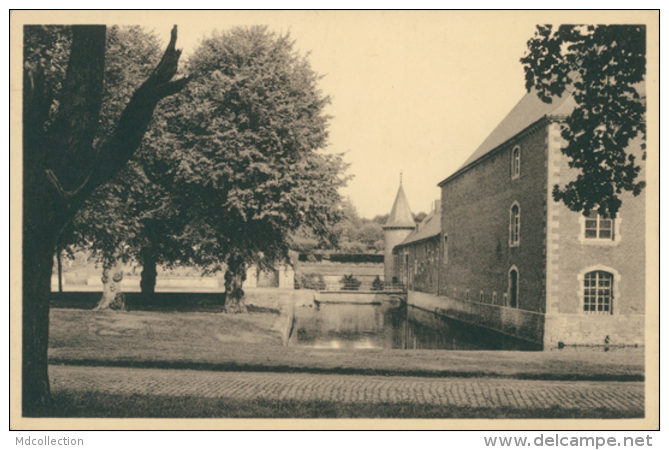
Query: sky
[{"x": 412, "y": 92}]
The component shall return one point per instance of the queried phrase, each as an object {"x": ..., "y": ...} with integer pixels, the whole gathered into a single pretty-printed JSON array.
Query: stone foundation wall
[
  {"x": 578, "y": 329},
  {"x": 358, "y": 296},
  {"x": 515, "y": 322}
]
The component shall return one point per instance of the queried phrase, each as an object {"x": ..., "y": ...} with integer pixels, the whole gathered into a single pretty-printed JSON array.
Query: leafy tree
[
  {"x": 132, "y": 217},
  {"x": 346, "y": 229},
  {"x": 602, "y": 66},
  {"x": 369, "y": 233},
  {"x": 381, "y": 218},
  {"x": 108, "y": 219},
  {"x": 304, "y": 241},
  {"x": 64, "y": 161},
  {"x": 418, "y": 218},
  {"x": 242, "y": 149}
]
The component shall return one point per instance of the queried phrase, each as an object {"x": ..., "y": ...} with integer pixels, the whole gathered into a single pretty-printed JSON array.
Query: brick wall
[
  {"x": 571, "y": 256},
  {"x": 423, "y": 262},
  {"x": 392, "y": 238},
  {"x": 475, "y": 221}
]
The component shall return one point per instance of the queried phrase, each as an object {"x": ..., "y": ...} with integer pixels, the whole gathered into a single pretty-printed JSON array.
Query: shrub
[
  {"x": 377, "y": 284},
  {"x": 350, "y": 283},
  {"x": 310, "y": 281},
  {"x": 357, "y": 258}
]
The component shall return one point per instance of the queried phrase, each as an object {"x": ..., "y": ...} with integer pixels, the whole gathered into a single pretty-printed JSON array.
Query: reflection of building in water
[
  {"x": 350, "y": 325},
  {"x": 426, "y": 330},
  {"x": 391, "y": 326},
  {"x": 350, "y": 318},
  {"x": 501, "y": 253}
]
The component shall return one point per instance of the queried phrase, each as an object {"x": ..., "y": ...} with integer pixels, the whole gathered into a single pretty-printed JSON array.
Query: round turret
[{"x": 399, "y": 225}]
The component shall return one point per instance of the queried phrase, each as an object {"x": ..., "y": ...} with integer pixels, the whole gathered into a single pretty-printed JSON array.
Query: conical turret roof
[{"x": 400, "y": 215}]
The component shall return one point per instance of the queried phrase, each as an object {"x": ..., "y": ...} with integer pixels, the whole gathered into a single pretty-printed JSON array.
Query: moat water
[{"x": 391, "y": 324}]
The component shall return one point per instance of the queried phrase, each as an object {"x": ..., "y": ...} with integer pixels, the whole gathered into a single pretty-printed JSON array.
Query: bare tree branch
[{"x": 134, "y": 121}]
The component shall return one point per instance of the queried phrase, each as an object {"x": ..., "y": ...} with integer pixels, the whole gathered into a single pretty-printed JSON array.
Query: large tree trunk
[
  {"x": 37, "y": 266},
  {"x": 235, "y": 275},
  {"x": 149, "y": 274},
  {"x": 61, "y": 170},
  {"x": 59, "y": 258},
  {"x": 112, "y": 293}
]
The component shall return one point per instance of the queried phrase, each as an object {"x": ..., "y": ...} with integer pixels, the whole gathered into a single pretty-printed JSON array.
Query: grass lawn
[
  {"x": 172, "y": 336},
  {"x": 83, "y": 405},
  {"x": 253, "y": 342}
]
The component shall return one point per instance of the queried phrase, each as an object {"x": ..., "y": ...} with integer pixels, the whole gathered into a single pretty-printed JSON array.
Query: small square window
[{"x": 597, "y": 227}]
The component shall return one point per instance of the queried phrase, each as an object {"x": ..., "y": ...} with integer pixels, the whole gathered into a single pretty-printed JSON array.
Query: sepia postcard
[{"x": 297, "y": 220}]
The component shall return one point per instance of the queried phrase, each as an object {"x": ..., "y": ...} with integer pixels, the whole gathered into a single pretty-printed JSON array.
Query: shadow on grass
[
  {"x": 159, "y": 302},
  {"x": 100, "y": 405}
]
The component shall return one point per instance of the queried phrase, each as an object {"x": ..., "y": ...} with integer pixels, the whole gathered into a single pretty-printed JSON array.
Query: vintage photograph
[{"x": 335, "y": 215}]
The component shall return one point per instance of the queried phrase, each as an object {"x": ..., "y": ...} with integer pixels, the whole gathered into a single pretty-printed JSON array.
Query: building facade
[
  {"x": 510, "y": 258},
  {"x": 418, "y": 257}
]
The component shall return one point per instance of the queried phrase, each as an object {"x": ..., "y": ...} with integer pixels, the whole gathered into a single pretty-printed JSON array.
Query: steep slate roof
[
  {"x": 526, "y": 112},
  {"x": 428, "y": 228},
  {"x": 400, "y": 215},
  {"x": 529, "y": 110}
]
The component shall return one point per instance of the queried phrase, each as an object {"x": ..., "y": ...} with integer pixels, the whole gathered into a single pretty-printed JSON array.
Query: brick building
[
  {"x": 508, "y": 257},
  {"x": 418, "y": 255}
]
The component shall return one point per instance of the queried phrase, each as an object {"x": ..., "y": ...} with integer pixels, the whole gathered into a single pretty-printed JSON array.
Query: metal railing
[{"x": 363, "y": 285}]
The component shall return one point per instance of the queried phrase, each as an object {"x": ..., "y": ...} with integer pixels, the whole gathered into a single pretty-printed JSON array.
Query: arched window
[
  {"x": 513, "y": 287},
  {"x": 514, "y": 225},
  {"x": 515, "y": 162},
  {"x": 598, "y": 292}
]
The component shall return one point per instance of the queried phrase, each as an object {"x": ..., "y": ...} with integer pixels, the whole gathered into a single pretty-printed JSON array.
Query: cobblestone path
[{"x": 474, "y": 392}]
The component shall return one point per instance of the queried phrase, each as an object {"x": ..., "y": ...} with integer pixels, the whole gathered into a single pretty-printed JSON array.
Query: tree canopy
[
  {"x": 108, "y": 217},
  {"x": 243, "y": 145},
  {"x": 604, "y": 68},
  {"x": 130, "y": 216}
]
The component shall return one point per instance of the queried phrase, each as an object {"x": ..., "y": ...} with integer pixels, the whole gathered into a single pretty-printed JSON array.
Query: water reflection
[{"x": 392, "y": 325}]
